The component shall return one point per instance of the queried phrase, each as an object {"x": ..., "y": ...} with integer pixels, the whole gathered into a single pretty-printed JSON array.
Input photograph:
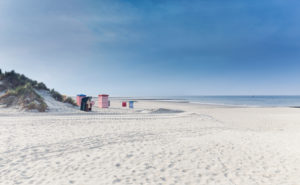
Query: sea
[{"x": 247, "y": 101}]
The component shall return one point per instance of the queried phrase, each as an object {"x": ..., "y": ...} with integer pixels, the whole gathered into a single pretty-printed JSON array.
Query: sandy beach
[
  {"x": 215, "y": 87},
  {"x": 155, "y": 143}
]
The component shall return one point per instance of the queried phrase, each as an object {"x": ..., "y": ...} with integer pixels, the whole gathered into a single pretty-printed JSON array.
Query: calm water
[
  {"x": 253, "y": 101},
  {"x": 264, "y": 101}
]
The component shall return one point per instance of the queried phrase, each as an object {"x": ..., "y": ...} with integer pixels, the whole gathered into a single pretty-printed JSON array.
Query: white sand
[{"x": 151, "y": 144}]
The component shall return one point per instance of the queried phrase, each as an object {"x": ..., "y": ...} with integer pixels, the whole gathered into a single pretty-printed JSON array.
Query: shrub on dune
[
  {"x": 59, "y": 97},
  {"x": 24, "y": 96}
]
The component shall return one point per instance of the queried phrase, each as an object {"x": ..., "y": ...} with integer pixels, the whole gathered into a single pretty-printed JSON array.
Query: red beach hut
[{"x": 103, "y": 100}]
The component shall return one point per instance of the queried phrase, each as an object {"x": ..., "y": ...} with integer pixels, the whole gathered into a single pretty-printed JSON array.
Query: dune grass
[
  {"x": 61, "y": 98},
  {"x": 24, "y": 96}
]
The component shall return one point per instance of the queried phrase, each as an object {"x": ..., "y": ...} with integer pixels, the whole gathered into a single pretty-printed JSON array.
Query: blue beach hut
[{"x": 131, "y": 104}]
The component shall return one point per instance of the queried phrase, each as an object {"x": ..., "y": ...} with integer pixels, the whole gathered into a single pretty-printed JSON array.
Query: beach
[{"x": 157, "y": 142}]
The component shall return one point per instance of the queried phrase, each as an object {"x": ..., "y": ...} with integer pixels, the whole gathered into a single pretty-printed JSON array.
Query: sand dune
[{"x": 156, "y": 143}]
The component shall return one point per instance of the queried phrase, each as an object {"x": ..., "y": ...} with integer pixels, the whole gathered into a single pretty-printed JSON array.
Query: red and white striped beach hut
[{"x": 103, "y": 101}]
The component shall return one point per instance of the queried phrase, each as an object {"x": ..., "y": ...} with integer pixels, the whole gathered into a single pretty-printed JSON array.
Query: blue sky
[{"x": 153, "y": 48}]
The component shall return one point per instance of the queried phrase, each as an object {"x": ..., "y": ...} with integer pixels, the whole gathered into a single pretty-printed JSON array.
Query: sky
[{"x": 154, "y": 47}]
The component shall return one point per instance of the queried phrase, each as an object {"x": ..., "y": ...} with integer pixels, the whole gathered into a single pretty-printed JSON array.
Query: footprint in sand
[{"x": 116, "y": 181}]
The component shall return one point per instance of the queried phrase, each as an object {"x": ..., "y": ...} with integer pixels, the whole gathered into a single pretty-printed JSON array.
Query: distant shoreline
[{"x": 227, "y": 101}]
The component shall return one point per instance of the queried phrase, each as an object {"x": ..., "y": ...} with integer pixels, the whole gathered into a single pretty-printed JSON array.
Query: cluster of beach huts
[{"x": 85, "y": 102}]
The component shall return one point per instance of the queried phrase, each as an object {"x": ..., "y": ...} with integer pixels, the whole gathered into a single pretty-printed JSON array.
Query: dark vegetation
[
  {"x": 13, "y": 80},
  {"x": 20, "y": 90},
  {"x": 24, "y": 96},
  {"x": 58, "y": 97}
]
